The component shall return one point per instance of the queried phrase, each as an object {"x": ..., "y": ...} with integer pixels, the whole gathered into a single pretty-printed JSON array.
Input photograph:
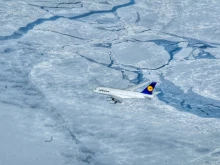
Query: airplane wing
[
  {"x": 133, "y": 88},
  {"x": 117, "y": 98}
]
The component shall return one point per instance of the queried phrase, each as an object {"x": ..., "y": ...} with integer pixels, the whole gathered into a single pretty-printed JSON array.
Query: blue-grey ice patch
[
  {"x": 200, "y": 75},
  {"x": 68, "y": 32},
  {"x": 23, "y": 136},
  {"x": 142, "y": 55},
  {"x": 26, "y": 119},
  {"x": 193, "y": 19}
]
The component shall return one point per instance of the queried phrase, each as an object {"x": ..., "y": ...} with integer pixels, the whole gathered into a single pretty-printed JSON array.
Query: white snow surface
[{"x": 53, "y": 54}]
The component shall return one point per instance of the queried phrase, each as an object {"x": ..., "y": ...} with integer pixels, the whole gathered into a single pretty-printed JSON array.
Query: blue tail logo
[{"x": 149, "y": 89}]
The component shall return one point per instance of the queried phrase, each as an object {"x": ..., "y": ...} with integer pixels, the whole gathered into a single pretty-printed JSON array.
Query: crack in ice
[{"x": 64, "y": 34}]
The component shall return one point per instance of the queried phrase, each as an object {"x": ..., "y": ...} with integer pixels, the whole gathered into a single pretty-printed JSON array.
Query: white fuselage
[{"x": 121, "y": 93}]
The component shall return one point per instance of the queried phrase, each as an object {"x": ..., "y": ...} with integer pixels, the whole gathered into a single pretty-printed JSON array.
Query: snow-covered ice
[{"x": 53, "y": 54}]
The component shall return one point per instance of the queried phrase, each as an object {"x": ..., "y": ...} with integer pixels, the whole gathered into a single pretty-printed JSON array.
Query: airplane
[{"x": 117, "y": 95}]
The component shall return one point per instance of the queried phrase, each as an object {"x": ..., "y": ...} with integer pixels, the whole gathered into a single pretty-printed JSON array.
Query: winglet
[{"x": 149, "y": 89}]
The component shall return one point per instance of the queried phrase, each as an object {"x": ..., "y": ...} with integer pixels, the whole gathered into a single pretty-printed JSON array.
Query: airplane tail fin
[{"x": 149, "y": 89}]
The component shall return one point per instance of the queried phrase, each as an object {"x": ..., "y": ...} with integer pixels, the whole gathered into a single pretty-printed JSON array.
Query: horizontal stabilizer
[{"x": 155, "y": 93}]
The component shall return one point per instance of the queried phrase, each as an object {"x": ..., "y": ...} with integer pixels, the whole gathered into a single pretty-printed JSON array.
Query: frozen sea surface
[{"x": 53, "y": 54}]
